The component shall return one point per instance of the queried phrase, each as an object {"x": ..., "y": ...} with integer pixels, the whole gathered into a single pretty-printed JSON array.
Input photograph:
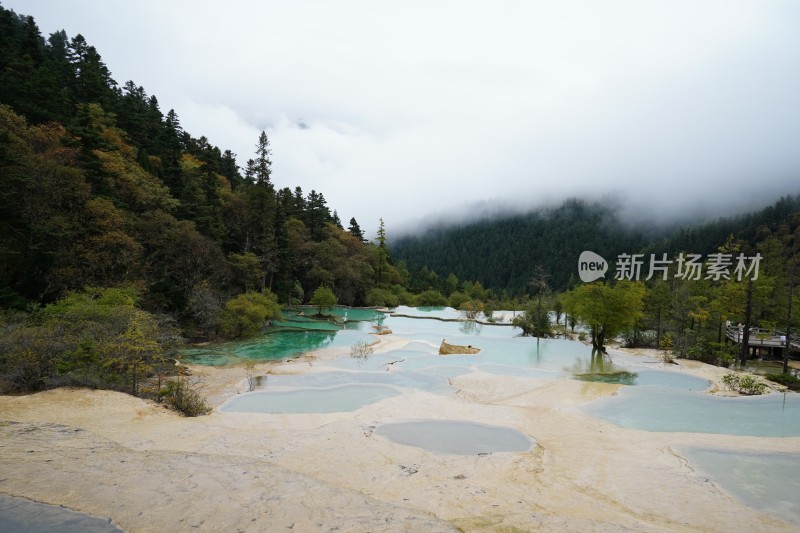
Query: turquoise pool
[
  {"x": 659, "y": 400},
  {"x": 664, "y": 409},
  {"x": 329, "y": 400},
  {"x": 769, "y": 482}
]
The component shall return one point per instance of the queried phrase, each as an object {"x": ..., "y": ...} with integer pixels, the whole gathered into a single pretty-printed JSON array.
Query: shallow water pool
[
  {"x": 769, "y": 482},
  {"x": 21, "y": 515},
  {"x": 329, "y": 400},
  {"x": 456, "y": 437},
  {"x": 664, "y": 409},
  {"x": 427, "y": 381}
]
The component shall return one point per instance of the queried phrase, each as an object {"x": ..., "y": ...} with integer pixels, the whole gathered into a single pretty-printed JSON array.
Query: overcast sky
[{"x": 408, "y": 110}]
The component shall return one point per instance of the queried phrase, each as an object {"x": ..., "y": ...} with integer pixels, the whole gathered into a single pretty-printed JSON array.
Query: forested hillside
[
  {"x": 100, "y": 187},
  {"x": 121, "y": 234},
  {"x": 501, "y": 253}
]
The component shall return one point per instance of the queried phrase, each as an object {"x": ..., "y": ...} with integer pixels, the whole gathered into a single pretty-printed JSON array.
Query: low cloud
[{"x": 413, "y": 111}]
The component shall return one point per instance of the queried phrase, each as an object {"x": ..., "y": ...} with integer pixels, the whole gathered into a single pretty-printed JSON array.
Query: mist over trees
[{"x": 500, "y": 252}]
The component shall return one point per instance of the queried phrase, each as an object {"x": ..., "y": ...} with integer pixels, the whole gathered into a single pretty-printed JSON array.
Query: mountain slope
[{"x": 502, "y": 253}]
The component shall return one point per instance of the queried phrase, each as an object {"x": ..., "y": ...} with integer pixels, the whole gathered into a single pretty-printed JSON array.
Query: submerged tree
[
  {"x": 535, "y": 321},
  {"x": 608, "y": 310},
  {"x": 323, "y": 297}
]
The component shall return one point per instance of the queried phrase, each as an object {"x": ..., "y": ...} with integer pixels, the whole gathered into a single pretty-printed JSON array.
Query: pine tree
[
  {"x": 317, "y": 214},
  {"x": 382, "y": 235},
  {"x": 355, "y": 230},
  {"x": 261, "y": 202},
  {"x": 262, "y": 166}
]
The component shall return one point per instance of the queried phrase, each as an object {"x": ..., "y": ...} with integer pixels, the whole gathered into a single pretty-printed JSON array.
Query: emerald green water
[
  {"x": 350, "y": 313},
  {"x": 292, "y": 336}
]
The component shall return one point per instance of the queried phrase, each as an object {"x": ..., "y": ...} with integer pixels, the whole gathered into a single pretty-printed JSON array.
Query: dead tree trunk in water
[
  {"x": 748, "y": 311},
  {"x": 788, "y": 348}
]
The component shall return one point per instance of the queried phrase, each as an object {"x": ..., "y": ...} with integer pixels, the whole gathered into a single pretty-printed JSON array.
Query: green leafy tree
[
  {"x": 431, "y": 298},
  {"x": 608, "y": 310},
  {"x": 135, "y": 353},
  {"x": 535, "y": 320},
  {"x": 382, "y": 256},
  {"x": 246, "y": 314},
  {"x": 247, "y": 269},
  {"x": 450, "y": 285},
  {"x": 382, "y": 297},
  {"x": 457, "y": 299},
  {"x": 323, "y": 297}
]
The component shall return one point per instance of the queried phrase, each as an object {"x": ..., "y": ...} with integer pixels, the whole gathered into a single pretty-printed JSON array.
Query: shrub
[
  {"x": 726, "y": 354},
  {"x": 361, "y": 350},
  {"x": 666, "y": 342},
  {"x": 743, "y": 384},
  {"x": 638, "y": 338},
  {"x": 431, "y": 298},
  {"x": 382, "y": 297},
  {"x": 181, "y": 395},
  {"x": 457, "y": 299},
  {"x": 403, "y": 296},
  {"x": 790, "y": 381},
  {"x": 95, "y": 338},
  {"x": 246, "y": 313},
  {"x": 471, "y": 309},
  {"x": 701, "y": 350}
]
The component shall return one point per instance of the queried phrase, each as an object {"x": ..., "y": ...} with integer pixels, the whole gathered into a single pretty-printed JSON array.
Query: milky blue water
[
  {"x": 650, "y": 399},
  {"x": 664, "y": 409},
  {"x": 660, "y": 400},
  {"x": 447, "y": 313},
  {"x": 769, "y": 482},
  {"x": 456, "y": 437},
  {"x": 331, "y": 400}
]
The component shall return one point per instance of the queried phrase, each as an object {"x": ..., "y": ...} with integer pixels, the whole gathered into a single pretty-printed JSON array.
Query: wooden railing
[{"x": 760, "y": 337}]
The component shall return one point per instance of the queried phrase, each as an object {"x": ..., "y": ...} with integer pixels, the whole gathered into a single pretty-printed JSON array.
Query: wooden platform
[{"x": 761, "y": 339}]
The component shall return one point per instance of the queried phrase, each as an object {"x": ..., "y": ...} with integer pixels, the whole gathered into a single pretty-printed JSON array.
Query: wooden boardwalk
[{"x": 761, "y": 338}]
